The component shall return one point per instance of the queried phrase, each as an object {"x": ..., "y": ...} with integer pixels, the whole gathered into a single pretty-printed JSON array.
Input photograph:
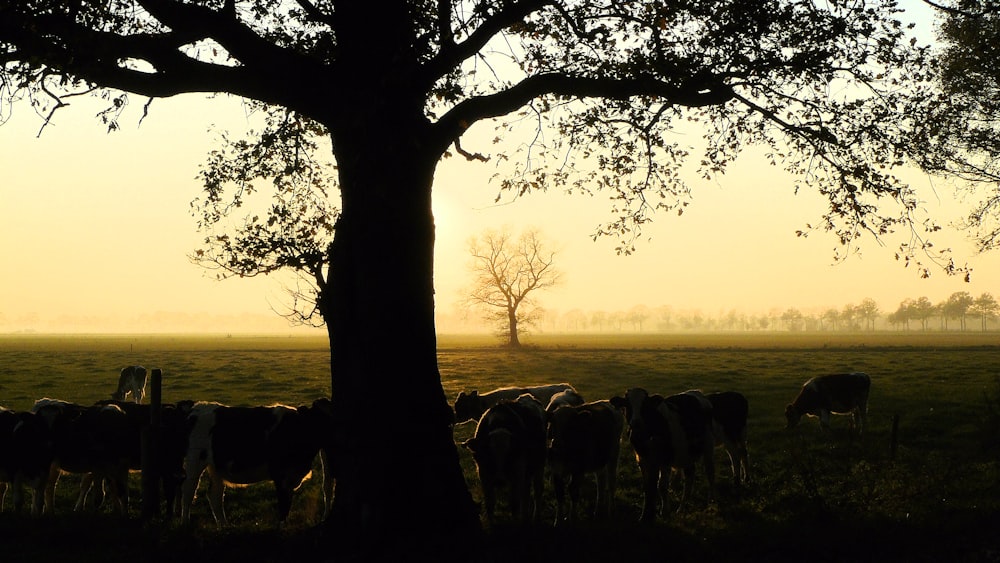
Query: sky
[{"x": 96, "y": 229}]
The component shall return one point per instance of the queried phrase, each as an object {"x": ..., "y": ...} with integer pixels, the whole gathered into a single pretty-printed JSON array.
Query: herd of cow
[
  {"x": 103, "y": 443},
  {"x": 519, "y": 432}
]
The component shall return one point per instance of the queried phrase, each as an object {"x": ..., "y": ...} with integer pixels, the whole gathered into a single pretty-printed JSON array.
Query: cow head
[
  {"x": 793, "y": 415},
  {"x": 467, "y": 406}
]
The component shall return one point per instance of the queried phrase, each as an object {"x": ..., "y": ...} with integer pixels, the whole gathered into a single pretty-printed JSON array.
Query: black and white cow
[
  {"x": 25, "y": 458},
  {"x": 509, "y": 450},
  {"x": 131, "y": 380},
  {"x": 667, "y": 434},
  {"x": 585, "y": 439},
  {"x": 95, "y": 440},
  {"x": 841, "y": 393},
  {"x": 730, "y": 411},
  {"x": 568, "y": 397},
  {"x": 245, "y": 445},
  {"x": 472, "y": 405}
]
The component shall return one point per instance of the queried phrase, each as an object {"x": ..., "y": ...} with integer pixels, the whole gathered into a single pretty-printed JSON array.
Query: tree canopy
[{"x": 963, "y": 122}]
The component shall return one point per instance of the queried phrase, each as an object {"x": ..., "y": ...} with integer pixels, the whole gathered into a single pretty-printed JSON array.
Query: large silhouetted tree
[{"x": 596, "y": 91}]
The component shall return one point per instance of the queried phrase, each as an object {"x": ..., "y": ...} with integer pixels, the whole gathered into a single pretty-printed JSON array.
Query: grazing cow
[
  {"x": 245, "y": 445},
  {"x": 509, "y": 449},
  {"x": 132, "y": 380},
  {"x": 171, "y": 445},
  {"x": 841, "y": 393},
  {"x": 472, "y": 405},
  {"x": 730, "y": 411},
  {"x": 585, "y": 439},
  {"x": 569, "y": 397},
  {"x": 25, "y": 457},
  {"x": 89, "y": 440},
  {"x": 668, "y": 434}
]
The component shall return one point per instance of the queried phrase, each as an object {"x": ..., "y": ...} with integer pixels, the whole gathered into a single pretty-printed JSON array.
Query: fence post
[{"x": 149, "y": 459}]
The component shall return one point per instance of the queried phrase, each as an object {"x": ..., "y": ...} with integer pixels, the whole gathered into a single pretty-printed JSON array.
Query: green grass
[{"x": 938, "y": 499}]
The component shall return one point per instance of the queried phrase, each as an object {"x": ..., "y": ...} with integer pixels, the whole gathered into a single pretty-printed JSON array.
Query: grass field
[{"x": 828, "y": 497}]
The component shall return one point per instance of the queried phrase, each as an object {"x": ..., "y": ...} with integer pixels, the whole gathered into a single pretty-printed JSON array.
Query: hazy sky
[{"x": 96, "y": 225}]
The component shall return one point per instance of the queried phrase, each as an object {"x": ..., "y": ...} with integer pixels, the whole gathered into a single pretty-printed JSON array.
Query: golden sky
[{"x": 97, "y": 226}]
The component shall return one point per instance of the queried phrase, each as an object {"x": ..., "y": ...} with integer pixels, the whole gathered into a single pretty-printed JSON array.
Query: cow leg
[
  {"x": 743, "y": 454},
  {"x": 86, "y": 484},
  {"x": 651, "y": 493},
  {"x": 284, "y": 501},
  {"x": 329, "y": 481},
  {"x": 193, "y": 467},
  {"x": 489, "y": 498},
  {"x": 709, "y": 460},
  {"x": 688, "y": 487},
  {"x": 121, "y": 491},
  {"x": 50, "y": 488},
  {"x": 575, "y": 482},
  {"x": 539, "y": 488},
  {"x": 824, "y": 419},
  {"x": 216, "y": 492},
  {"x": 559, "y": 486},
  {"x": 601, "y": 505}
]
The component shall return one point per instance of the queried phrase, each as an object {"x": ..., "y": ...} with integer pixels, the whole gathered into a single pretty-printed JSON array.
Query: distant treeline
[{"x": 961, "y": 311}]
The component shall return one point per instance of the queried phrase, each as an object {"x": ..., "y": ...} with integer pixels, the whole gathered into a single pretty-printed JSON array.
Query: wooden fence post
[{"x": 150, "y": 459}]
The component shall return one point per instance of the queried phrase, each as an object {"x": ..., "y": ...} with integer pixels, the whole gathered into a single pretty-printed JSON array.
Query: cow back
[{"x": 585, "y": 437}]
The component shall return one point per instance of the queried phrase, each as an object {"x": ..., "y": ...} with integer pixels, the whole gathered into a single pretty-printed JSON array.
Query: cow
[
  {"x": 509, "y": 450},
  {"x": 240, "y": 446},
  {"x": 89, "y": 440},
  {"x": 668, "y": 434},
  {"x": 170, "y": 447},
  {"x": 568, "y": 397},
  {"x": 472, "y": 405},
  {"x": 25, "y": 458},
  {"x": 585, "y": 439},
  {"x": 841, "y": 393},
  {"x": 730, "y": 411},
  {"x": 131, "y": 380}
]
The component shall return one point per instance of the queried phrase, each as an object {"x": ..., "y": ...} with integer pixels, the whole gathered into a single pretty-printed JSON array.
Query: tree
[
  {"x": 903, "y": 313},
  {"x": 637, "y": 315},
  {"x": 869, "y": 311},
  {"x": 598, "y": 87},
  {"x": 831, "y": 316},
  {"x": 957, "y": 307},
  {"x": 792, "y": 319},
  {"x": 986, "y": 307},
  {"x": 922, "y": 310},
  {"x": 507, "y": 275}
]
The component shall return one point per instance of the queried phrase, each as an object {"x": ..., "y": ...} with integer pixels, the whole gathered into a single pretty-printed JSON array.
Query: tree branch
[{"x": 697, "y": 93}]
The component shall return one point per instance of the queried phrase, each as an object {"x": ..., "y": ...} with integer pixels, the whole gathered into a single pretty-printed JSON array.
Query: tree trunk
[
  {"x": 399, "y": 482},
  {"x": 512, "y": 340}
]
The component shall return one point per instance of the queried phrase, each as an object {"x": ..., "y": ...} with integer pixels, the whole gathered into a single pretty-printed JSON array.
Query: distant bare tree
[{"x": 507, "y": 273}]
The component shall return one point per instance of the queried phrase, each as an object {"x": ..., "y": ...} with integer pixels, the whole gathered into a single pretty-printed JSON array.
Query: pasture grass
[{"x": 829, "y": 496}]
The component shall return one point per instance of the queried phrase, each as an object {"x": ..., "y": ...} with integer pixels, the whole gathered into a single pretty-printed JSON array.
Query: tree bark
[
  {"x": 399, "y": 481},
  {"x": 513, "y": 341}
]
